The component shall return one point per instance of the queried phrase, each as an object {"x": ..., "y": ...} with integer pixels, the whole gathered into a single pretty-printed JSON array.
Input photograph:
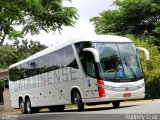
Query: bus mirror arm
[
  {"x": 145, "y": 52},
  {"x": 94, "y": 52}
]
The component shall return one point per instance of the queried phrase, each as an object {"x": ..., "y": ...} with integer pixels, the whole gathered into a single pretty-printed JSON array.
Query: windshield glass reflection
[{"x": 118, "y": 61}]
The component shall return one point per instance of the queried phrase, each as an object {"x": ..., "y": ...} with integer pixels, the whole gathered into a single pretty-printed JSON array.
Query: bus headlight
[{"x": 141, "y": 85}]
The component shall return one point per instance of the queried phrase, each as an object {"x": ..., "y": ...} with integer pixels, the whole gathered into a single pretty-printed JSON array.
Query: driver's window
[
  {"x": 86, "y": 58},
  {"x": 90, "y": 69}
]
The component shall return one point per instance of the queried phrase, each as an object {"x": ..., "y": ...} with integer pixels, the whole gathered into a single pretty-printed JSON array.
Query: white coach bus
[{"x": 92, "y": 70}]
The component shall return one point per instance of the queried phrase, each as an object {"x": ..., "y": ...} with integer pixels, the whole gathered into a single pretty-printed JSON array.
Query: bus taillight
[{"x": 101, "y": 90}]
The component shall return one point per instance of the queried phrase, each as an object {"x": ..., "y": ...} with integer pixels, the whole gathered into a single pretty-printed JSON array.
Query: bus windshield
[{"x": 118, "y": 62}]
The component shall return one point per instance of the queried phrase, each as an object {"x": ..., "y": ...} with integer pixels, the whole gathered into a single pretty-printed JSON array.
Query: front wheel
[
  {"x": 116, "y": 104},
  {"x": 78, "y": 101}
]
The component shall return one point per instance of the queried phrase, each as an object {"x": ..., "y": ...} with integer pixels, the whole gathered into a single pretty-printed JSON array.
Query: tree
[
  {"x": 32, "y": 16},
  {"x": 10, "y": 54},
  {"x": 7, "y": 56},
  {"x": 137, "y": 17},
  {"x": 27, "y": 48}
]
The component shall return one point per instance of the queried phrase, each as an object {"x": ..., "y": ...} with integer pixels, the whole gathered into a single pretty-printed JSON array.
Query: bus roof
[
  {"x": 102, "y": 38},
  {"x": 93, "y": 38}
]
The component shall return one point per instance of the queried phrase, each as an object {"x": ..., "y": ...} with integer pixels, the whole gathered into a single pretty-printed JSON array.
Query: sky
[{"x": 86, "y": 10}]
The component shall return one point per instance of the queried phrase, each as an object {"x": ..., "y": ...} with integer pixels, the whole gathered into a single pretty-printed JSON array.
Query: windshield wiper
[{"x": 129, "y": 66}]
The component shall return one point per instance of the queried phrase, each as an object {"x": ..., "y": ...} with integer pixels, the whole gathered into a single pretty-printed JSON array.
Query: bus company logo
[
  {"x": 126, "y": 85},
  {"x": 127, "y": 89}
]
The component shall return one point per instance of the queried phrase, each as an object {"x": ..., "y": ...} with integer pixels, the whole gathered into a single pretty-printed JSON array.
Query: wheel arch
[
  {"x": 19, "y": 100},
  {"x": 26, "y": 97},
  {"x": 75, "y": 89}
]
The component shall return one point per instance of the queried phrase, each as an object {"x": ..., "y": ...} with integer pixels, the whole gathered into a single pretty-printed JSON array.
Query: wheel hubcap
[
  {"x": 75, "y": 100},
  {"x": 22, "y": 106}
]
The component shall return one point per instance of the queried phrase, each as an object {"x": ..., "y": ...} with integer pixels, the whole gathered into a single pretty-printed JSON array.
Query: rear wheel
[
  {"x": 78, "y": 101},
  {"x": 57, "y": 108},
  {"x": 28, "y": 106},
  {"x": 22, "y": 106},
  {"x": 116, "y": 104}
]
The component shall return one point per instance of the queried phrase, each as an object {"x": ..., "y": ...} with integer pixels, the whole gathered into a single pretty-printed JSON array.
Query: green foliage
[
  {"x": 151, "y": 68},
  {"x": 33, "y": 16},
  {"x": 10, "y": 54},
  {"x": 137, "y": 17},
  {"x": 27, "y": 48},
  {"x": 7, "y": 56}
]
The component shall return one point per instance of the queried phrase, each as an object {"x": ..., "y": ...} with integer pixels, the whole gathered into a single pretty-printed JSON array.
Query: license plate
[{"x": 127, "y": 95}]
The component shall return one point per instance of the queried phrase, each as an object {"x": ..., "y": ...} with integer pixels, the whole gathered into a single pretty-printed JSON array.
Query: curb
[{"x": 139, "y": 101}]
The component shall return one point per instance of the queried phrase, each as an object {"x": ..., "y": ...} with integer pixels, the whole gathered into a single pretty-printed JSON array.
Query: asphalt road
[{"x": 139, "y": 110}]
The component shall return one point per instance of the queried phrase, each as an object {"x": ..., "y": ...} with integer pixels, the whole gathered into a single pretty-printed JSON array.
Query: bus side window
[
  {"x": 43, "y": 64},
  {"x": 24, "y": 70},
  {"x": 33, "y": 67},
  {"x": 69, "y": 59},
  {"x": 54, "y": 61}
]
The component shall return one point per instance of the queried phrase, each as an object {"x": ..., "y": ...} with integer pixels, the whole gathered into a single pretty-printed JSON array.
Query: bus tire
[
  {"x": 22, "y": 106},
  {"x": 78, "y": 101},
  {"x": 116, "y": 104},
  {"x": 28, "y": 106},
  {"x": 57, "y": 108}
]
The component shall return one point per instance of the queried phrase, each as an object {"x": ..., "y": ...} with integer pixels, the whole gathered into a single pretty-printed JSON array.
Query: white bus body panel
[
  {"x": 119, "y": 90},
  {"x": 51, "y": 88}
]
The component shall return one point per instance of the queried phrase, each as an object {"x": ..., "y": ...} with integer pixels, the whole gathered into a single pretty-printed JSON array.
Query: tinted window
[
  {"x": 61, "y": 58},
  {"x": 24, "y": 70},
  {"x": 54, "y": 60},
  {"x": 68, "y": 57},
  {"x": 33, "y": 67},
  {"x": 43, "y": 64}
]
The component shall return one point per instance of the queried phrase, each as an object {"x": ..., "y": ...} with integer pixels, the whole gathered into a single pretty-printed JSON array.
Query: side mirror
[
  {"x": 94, "y": 52},
  {"x": 145, "y": 52}
]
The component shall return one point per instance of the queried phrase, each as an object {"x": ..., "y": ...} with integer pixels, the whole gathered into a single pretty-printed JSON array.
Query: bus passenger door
[{"x": 90, "y": 83}]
